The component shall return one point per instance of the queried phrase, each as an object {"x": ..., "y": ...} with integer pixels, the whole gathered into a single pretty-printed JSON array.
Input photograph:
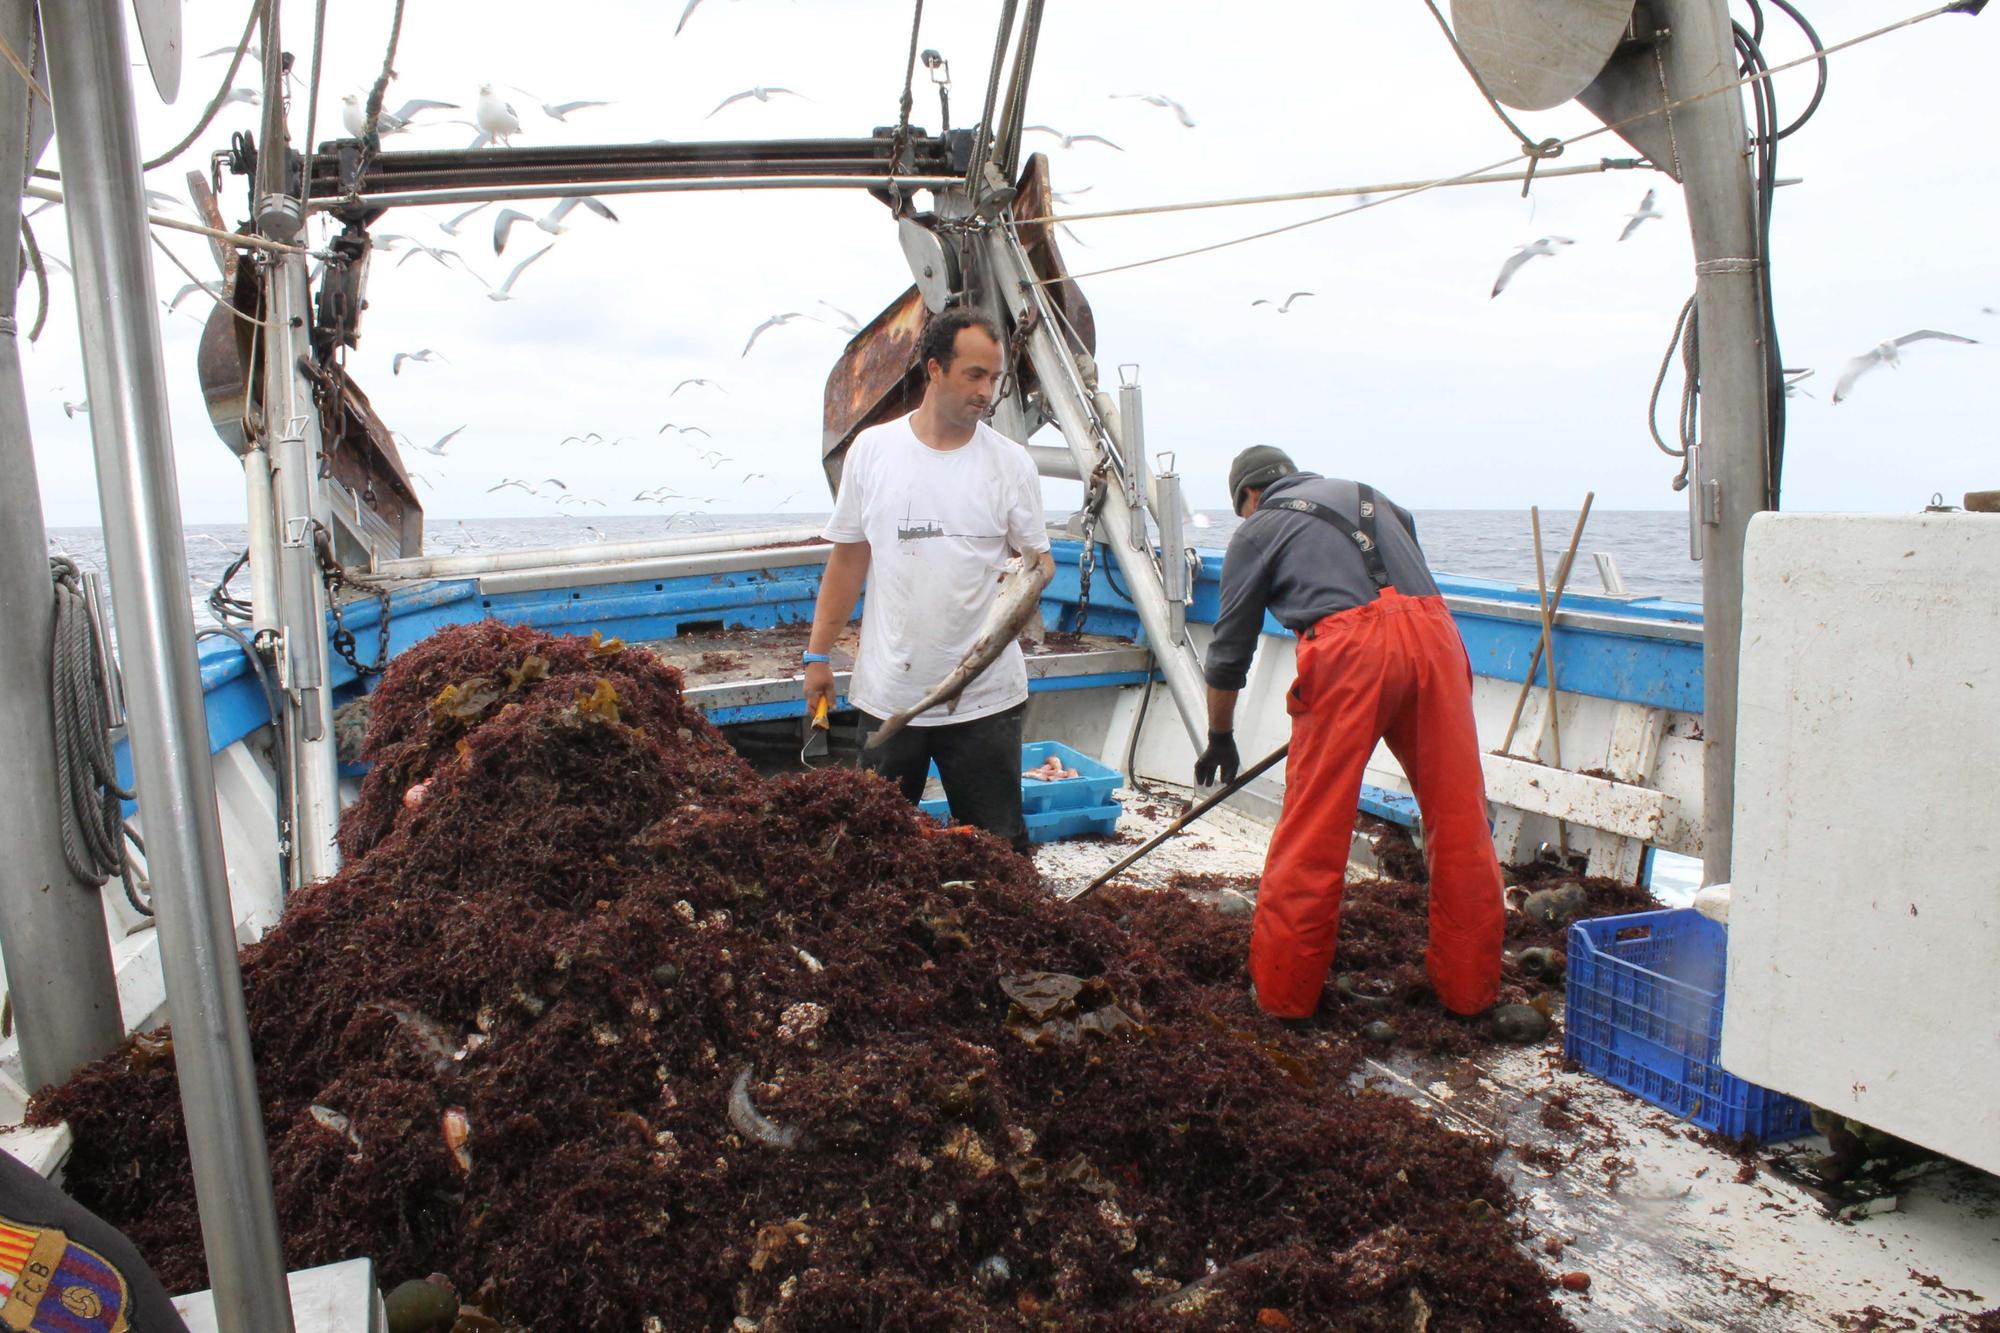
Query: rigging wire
[
  {"x": 199, "y": 284},
  {"x": 381, "y": 87},
  {"x": 312, "y": 104},
  {"x": 980, "y": 150},
  {"x": 1534, "y": 150},
  {"x": 215, "y": 104},
  {"x": 1954, "y": 7},
  {"x": 1812, "y": 36}
]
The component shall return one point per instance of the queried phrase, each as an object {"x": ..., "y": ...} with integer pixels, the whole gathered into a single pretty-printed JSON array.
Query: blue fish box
[
  {"x": 1066, "y": 808},
  {"x": 1644, "y": 1013}
]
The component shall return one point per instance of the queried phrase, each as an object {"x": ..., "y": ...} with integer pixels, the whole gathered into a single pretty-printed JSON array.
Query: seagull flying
[
  {"x": 437, "y": 252},
  {"x": 686, "y": 14},
  {"x": 704, "y": 384},
  {"x": 396, "y": 362},
  {"x": 848, "y": 323},
  {"x": 354, "y": 115},
  {"x": 248, "y": 95},
  {"x": 1071, "y": 140},
  {"x": 436, "y": 450},
  {"x": 772, "y": 323},
  {"x": 1161, "y": 100},
  {"x": 504, "y": 292},
  {"x": 496, "y": 118},
  {"x": 1886, "y": 354},
  {"x": 71, "y": 409},
  {"x": 450, "y": 228},
  {"x": 592, "y": 438},
  {"x": 159, "y": 200},
  {"x": 212, "y": 288},
  {"x": 1284, "y": 309},
  {"x": 761, "y": 93},
  {"x": 1796, "y": 378},
  {"x": 1646, "y": 211},
  {"x": 551, "y": 222},
  {"x": 560, "y": 110},
  {"x": 685, "y": 430},
  {"x": 1545, "y": 245}
]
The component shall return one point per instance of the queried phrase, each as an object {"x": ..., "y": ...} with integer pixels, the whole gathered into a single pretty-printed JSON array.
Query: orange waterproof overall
[{"x": 1392, "y": 670}]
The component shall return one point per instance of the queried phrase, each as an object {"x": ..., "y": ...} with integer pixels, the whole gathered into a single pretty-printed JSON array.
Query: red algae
[{"x": 610, "y": 1030}]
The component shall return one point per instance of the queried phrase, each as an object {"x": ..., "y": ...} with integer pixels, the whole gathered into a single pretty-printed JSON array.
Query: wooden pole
[
  {"x": 1551, "y": 722},
  {"x": 1562, "y": 582}
]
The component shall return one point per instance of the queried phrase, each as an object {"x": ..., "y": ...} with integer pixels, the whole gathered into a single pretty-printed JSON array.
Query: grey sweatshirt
[{"x": 1302, "y": 569}]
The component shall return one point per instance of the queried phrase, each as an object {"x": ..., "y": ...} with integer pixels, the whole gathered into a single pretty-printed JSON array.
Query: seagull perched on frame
[
  {"x": 1887, "y": 354},
  {"x": 495, "y": 118}
]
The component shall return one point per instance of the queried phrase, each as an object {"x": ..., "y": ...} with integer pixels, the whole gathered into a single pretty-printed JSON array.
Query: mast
[
  {"x": 126, "y": 377},
  {"x": 51, "y": 927},
  {"x": 1730, "y": 476},
  {"x": 289, "y": 442}
]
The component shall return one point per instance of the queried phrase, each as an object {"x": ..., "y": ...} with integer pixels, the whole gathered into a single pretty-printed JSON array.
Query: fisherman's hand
[
  {"x": 1218, "y": 760},
  {"x": 819, "y": 681}
]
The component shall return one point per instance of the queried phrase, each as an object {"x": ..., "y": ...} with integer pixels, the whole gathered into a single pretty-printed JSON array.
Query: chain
[
  {"x": 342, "y": 638},
  {"x": 1015, "y": 343},
  {"x": 1086, "y": 564}
]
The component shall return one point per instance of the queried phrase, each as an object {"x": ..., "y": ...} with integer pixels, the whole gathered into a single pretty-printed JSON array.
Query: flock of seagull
[{"x": 496, "y": 121}]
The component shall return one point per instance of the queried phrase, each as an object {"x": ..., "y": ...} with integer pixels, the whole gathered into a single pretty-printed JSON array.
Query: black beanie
[{"x": 1259, "y": 466}]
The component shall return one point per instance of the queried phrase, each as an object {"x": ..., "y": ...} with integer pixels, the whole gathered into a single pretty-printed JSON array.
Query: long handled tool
[
  {"x": 1555, "y": 604},
  {"x": 1201, "y": 808}
]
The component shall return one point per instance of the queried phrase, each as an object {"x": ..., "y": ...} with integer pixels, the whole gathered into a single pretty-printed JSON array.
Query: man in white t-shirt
[{"x": 931, "y": 507}]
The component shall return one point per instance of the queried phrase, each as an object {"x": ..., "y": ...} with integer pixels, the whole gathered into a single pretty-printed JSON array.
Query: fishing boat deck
[
  {"x": 749, "y": 675},
  {"x": 1677, "y": 1229}
]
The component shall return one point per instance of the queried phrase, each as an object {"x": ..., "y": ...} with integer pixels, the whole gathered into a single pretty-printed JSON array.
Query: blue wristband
[{"x": 809, "y": 657}]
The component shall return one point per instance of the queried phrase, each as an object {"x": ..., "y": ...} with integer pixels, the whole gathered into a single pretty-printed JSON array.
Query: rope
[
  {"x": 1466, "y": 177},
  {"x": 1687, "y": 337},
  {"x": 1534, "y": 150},
  {"x": 89, "y": 799},
  {"x": 381, "y": 87},
  {"x": 41, "y": 272},
  {"x": 980, "y": 152},
  {"x": 1329, "y": 192},
  {"x": 312, "y": 106},
  {"x": 200, "y": 285},
  {"x": 207, "y": 117}
]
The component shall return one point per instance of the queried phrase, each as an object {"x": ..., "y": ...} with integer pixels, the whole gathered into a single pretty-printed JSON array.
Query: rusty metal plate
[
  {"x": 1537, "y": 54},
  {"x": 876, "y": 379},
  {"x": 160, "y": 35},
  {"x": 1035, "y": 200}
]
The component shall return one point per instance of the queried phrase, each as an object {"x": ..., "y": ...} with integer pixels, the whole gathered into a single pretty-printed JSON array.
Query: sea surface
[{"x": 1650, "y": 546}]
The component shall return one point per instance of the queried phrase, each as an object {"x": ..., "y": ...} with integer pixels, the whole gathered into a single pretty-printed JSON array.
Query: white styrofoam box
[{"x": 1864, "y": 931}]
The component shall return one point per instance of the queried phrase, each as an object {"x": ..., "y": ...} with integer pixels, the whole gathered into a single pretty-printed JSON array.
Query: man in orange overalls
[{"x": 1379, "y": 658}]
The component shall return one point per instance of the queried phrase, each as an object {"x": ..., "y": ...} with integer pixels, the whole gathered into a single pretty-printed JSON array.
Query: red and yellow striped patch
[{"x": 16, "y": 1244}]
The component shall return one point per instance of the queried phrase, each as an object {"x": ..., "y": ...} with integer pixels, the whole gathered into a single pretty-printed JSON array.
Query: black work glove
[{"x": 1219, "y": 759}]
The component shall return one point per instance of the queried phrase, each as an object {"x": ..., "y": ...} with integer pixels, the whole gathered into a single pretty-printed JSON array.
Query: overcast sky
[{"x": 1399, "y": 369}]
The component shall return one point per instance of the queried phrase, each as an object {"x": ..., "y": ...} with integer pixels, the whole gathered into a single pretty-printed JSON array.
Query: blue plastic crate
[
  {"x": 1065, "y": 808},
  {"x": 1644, "y": 1012},
  {"x": 1090, "y": 789},
  {"x": 1049, "y": 825}
]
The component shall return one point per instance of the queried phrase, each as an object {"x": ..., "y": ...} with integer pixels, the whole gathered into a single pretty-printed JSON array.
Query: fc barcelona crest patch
[{"x": 51, "y": 1284}]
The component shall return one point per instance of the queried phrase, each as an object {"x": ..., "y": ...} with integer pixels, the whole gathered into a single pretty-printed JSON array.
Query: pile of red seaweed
[{"x": 618, "y": 1035}]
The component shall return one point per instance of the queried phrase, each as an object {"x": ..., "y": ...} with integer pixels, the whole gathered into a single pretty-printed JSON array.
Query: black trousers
[{"x": 979, "y": 763}]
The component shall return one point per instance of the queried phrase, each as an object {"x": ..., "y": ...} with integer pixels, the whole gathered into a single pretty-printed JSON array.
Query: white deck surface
[
  {"x": 339, "y": 1298},
  {"x": 1670, "y": 1237}
]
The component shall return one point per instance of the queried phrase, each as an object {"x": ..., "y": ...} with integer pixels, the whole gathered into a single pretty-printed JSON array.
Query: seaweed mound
[{"x": 618, "y": 1035}]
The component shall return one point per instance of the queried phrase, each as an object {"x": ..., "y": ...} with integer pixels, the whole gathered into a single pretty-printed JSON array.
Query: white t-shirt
[{"x": 940, "y": 525}]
